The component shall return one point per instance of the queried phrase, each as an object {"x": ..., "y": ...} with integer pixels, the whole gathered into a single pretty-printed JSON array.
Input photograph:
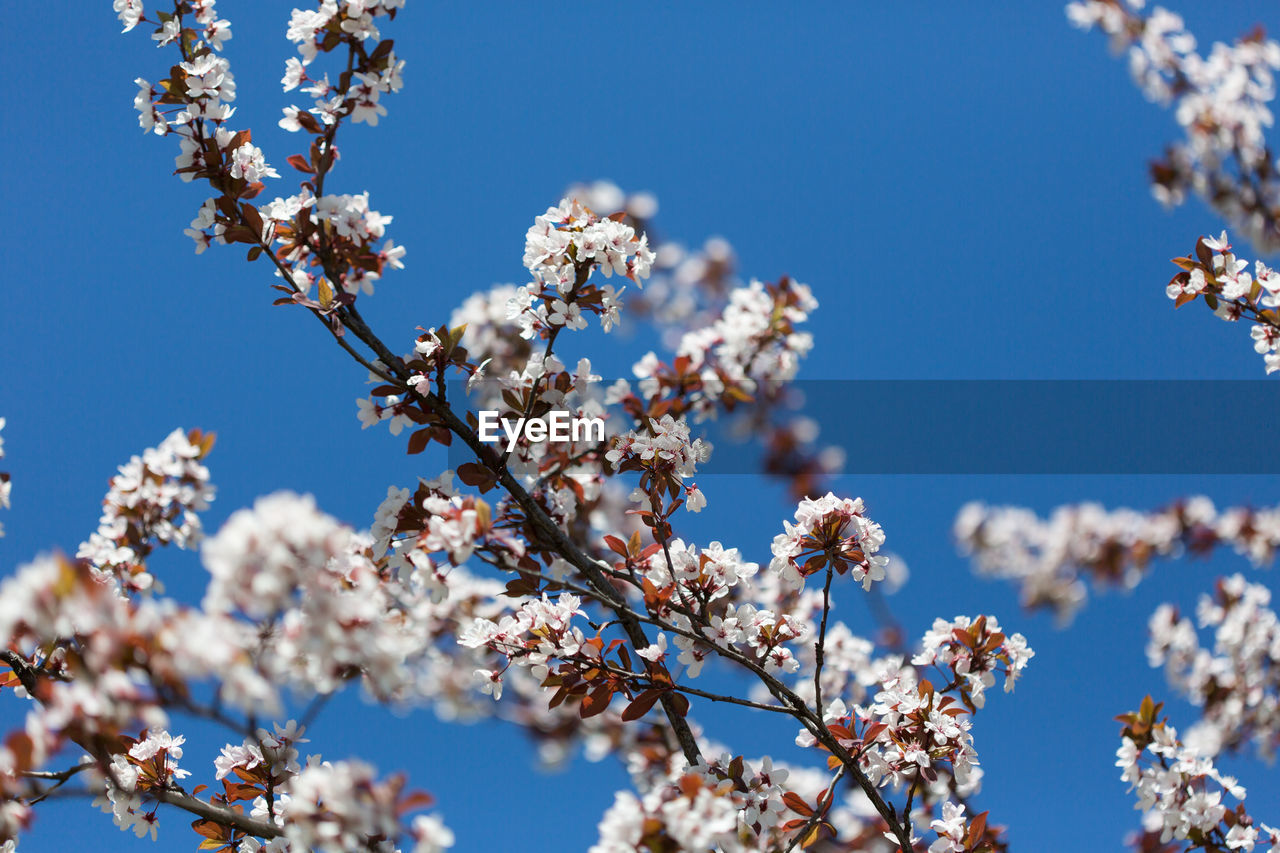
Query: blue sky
[{"x": 965, "y": 193}]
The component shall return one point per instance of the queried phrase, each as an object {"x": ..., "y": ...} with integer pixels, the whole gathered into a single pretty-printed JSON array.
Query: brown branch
[
  {"x": 734, "y": 700},
  {"x": 172, "y": 796},
  {"x": 557, "y": 540},
  {"x": 547, "y": 529},
  {"x": 26, "y": 675},
  {"x": 217, "y": 814},
  {"x": 820, "y": 647}
]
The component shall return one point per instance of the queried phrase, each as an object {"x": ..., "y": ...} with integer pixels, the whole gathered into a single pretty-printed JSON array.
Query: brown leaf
[
  {"x": 641, "y": 705},
  {"x": 596, "y": 701},
  {"x": 977, "y": 829},
  {"x": 419, "y": 440},
  {"x": 797, "y": 804},
  {"x": 300, "y": 163}
]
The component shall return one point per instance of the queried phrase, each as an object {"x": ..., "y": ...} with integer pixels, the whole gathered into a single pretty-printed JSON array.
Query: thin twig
[{"x": 820, "y": 647}]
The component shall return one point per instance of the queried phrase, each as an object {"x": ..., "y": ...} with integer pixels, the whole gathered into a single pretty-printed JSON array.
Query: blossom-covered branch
[
  {"x": 1181, "y": 793},
  {"x": 1213, "y": 272},
  {"x": 587, "y": 576},
  {"x": 1050, "y": 558},
  {"x": 1221, "y": 100}
]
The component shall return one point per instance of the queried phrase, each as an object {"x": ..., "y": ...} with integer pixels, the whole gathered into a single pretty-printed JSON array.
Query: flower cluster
[
  {"x": 322, "y": 29},
  {"x": 758, "y": 634},
  {"x": 915, "y": 734},
  {"x": 267, "y": 759},
  {"x": 755, "y": 337},
  {"x": 314, "y": 238},
  {"x": 340, "y": 807},
  {"x": 152, "y": 501},
  {"x": 956, "y": 834},
  {"x": 335, "y": 613},
  {"x": 1215, "y": 273},
  {"x": 262, "y": 557},
  {"x": 1181, "y": 792},
  {"x": 571, "y": 234},
  {"x": 539, "y": 387},
  {"x": 425, "y": 532},
  {"x": 711, "y": 598},
  {"x": 739, "y": 362},
  {"x": 321, "y": 805},
  {"x": 1048, "y": 557},
  {"x": 130, "y": 657},
  {"x": 905, "y": 734},
  {"x": 726, "y": 805},
  {"x": 537, "y": 632},
  {"x": 701, "y": 576},
  {"x": 203, "y": 87},
  {"x": 971, "y": 651},
  {"x": 1222, "y": 101},
  {"x": 687, "y": 288},
  {"x": 666, "y": 456},
  {"x": 1237, "y": 682},
  {"x": 750, "y": 349},
  {"x": 490, "y": 337},
  {"x": 148, "y": 764},
  {"x": 562, "y": 248},
  {"x": 829, "y": 532}
]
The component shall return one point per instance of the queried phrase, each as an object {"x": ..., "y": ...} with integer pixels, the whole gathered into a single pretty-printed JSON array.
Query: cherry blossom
[
  {"x": 1181, "y": 791},
  {"x": 1049, "y": 558},
  {"x": 1235, "y": 683},
  {"x": 533, "y": 583},
  {"x": 154, "y": 500},
  {"x": 1221, "y": 100},
  {"x": 831, "y": 533},
  {"x": 1223, "y": 280}
]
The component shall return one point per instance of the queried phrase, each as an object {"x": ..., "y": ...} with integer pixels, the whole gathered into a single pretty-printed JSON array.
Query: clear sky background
[{"x": 965, "y": 191}]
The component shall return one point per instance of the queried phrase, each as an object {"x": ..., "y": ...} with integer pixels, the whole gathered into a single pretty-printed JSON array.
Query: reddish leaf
[
  {"x": 252, "y": 217},
  {"x": 473, "y": 474},
  {"x": 596, "y": 701},
  {"x": 840, "y": 731},
  {"x": 641, "y": 706},
  {"x": 300, "y": 163},
  {"x": 419, "y": 440},
  {"x": 797, "y": 804},
  {"x": 415, "y": 800},
  {"x": 977, "y": 828},
  {"x": 873, "y": 731},
  {"x": 1204, "y": 253},
  {"x": 617, "y": 545}
]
